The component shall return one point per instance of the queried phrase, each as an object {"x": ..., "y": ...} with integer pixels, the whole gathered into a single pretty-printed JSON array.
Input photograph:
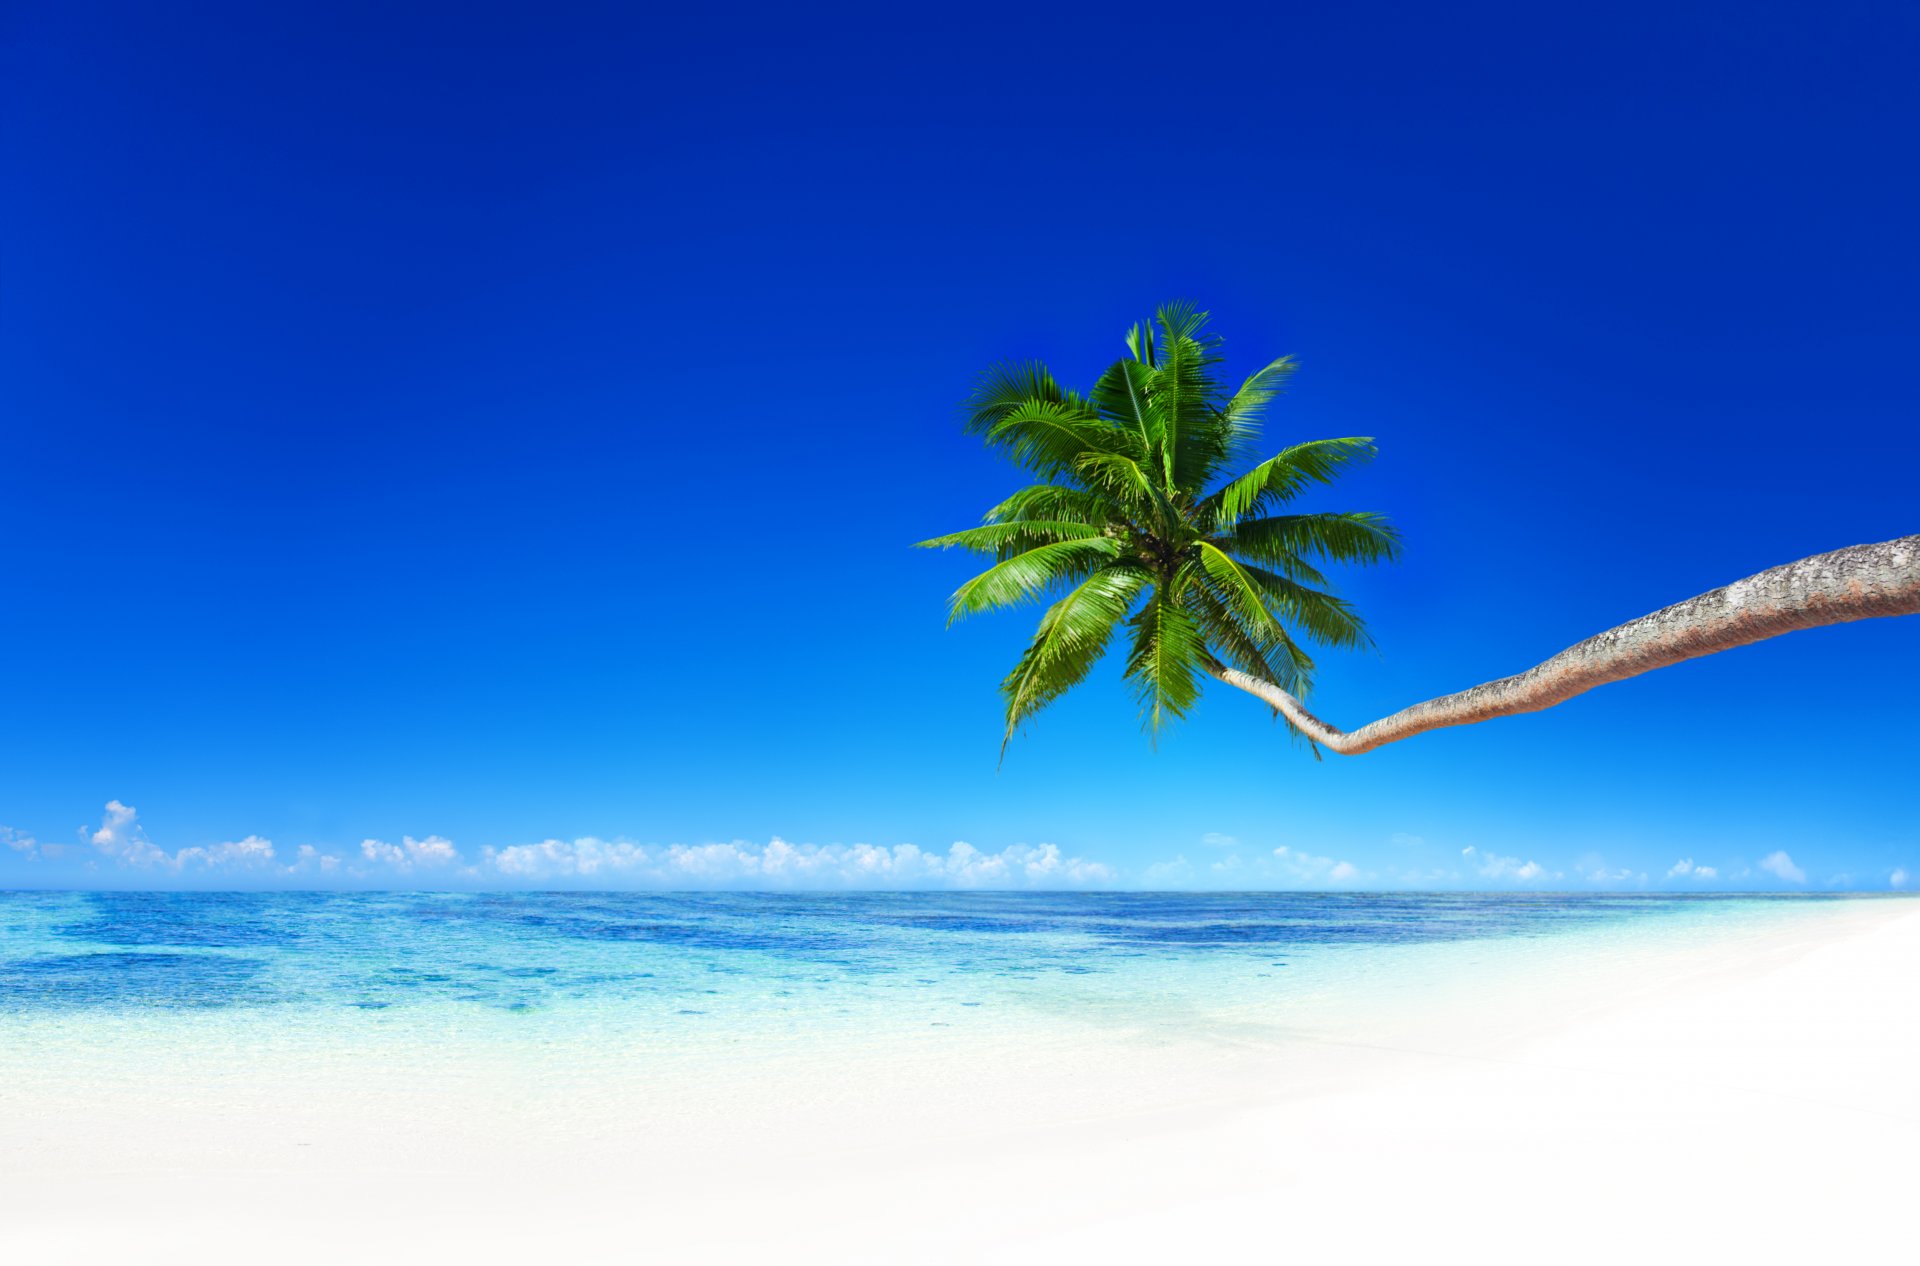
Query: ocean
[{"x": 673, "y": 970}]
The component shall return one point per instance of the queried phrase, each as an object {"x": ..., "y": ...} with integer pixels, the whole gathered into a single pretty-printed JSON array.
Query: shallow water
[{"x": 676, "y": 968}]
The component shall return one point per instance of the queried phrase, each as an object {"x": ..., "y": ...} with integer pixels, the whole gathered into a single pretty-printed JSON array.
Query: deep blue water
[{"x": 743, "y": 954}]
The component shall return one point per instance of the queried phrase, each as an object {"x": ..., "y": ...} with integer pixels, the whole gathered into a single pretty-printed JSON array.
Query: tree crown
[{"x": 1139, "y": 522}]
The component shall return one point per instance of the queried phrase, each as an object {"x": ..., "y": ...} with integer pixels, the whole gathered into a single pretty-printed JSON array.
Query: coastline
[{"x": 1564, "y": 1110}]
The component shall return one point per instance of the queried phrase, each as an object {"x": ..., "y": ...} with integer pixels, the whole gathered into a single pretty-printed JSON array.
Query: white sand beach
[{"x": 1752, "y": 1099}]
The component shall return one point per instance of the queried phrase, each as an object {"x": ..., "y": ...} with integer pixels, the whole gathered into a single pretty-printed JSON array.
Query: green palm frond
[
  {"x": 1322, "y": 616},
  {"x": 1049, "y": 436},
  {"x": 1233, "y": 645},
  {"x": 1241, "y": 416},
  {"x": 1285, "y": 476},
  {"x": 1057, "y": 502},
  {"x": 1028, "y": 576},
  {"x": 1166, "y": 662},
  {"x": 1187, "y": 385},
  {"x": 1293, "y": 568},
  {"x": 1140, "y": 343},
  {"x": 1124, "y": 397},
  {"x": 1072, "y": 637},
  {"x": 1126, "y": 482},
  {"x": 1006, "y": 387},
  {"x": 1357, "y": 537},
  {"x": 1004, "y": 540},
  {"x": 1238, "y": 590}
]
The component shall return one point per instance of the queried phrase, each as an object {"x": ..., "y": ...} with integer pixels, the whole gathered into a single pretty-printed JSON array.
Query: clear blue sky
[{"x": 494, "y": 427}]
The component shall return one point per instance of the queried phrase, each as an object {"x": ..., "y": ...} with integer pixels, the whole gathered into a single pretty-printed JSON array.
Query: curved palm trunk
[{"x": 1848, "y": 584}]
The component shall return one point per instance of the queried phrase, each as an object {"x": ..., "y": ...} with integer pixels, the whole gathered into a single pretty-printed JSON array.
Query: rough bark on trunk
[{"x": 1855, "y": 583}]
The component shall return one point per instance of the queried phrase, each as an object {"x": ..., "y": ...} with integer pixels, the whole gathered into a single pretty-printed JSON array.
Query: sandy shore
[{"x": 1757, "y": 1099}]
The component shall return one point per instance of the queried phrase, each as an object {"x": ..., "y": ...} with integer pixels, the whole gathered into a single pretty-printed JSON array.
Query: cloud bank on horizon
[
  {"x": 120, "y": 846},
  {"x": 119, "y": 852}
]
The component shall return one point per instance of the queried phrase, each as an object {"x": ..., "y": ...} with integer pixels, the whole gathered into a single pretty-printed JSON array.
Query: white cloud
[
  {"x": 1781, "y": 866},
  {"x": 116, "y": 826},
  {"x": 1593, "y": 869},
  {"x": 19, "y": 841},
  {"x": 409, "y": 853},
  {"x": 1214, "y": 839},
  {"x": 308, "y": 858},
  {"x": 1685, "y": 866},
  {"x": 379, "y": 851},
  {"x": 782, "y": 864},
  {"x": 1307, "y": 869},
  {"x": 1494, "y": 866},
  {"x": 121, "y": 837},
  {"x": 252, "y": 851},
  {"x": 557, "y": 857},
  {"x": 1898, "y": 879}
]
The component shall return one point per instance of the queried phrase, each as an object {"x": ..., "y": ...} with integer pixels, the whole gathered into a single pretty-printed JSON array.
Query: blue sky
[{"x": 428, "y": 434}]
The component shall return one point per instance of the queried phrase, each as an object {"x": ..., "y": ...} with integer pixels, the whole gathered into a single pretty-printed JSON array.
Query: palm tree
[
  {"x": 1138, "y": 523},
  {"x": 1142, "y": 521}
]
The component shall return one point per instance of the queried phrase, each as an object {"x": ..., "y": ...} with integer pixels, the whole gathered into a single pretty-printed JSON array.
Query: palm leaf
[
  {"x": 1123, "y": 479},
  {"x": 1049, "y": 436},
  {"x": 1124, "y": 396},
  {"x": 1284, "y": 476},
  {"x": 1229, "y": 639},
  {"x": 1324, "y": 617},
  {"x": 1004, "y": 388},
  {"x": 1243, "y": 413},
  {"x": 1007, "y": 539},
  {"x": 1029, "y": 575},
  {"x": 1166, "y": 662},
  {"x": 1186, "y": 390},
  {"x": 1240, "y": 592},
  {"x": 1072, "y": 637},
  {"x": 1283, "y": 663},
  {"x": 1057, "y": 502},
  {"x": 1357, "y": 537},
  {"x": 1140, "y": 343}
]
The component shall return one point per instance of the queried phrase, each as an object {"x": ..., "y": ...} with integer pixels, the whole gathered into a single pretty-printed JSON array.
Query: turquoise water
[{"x": 682, "y": 968}]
